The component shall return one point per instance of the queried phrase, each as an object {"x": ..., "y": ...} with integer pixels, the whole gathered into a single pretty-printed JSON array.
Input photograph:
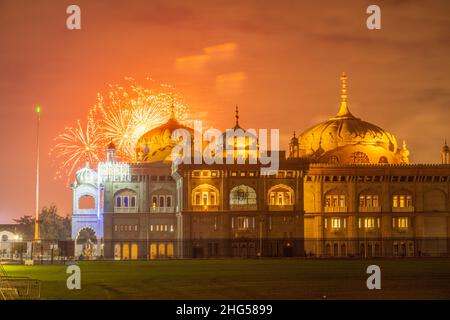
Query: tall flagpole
[{"x": 36, "y": 223}]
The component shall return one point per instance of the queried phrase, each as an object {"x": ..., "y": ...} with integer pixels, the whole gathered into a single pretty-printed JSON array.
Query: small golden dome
[
  {"x": 238, "y": 141},
  {"x": 157, "y": 144},
  {"x": 445, "y": 148},
  {"x": 347, "y": 139}
]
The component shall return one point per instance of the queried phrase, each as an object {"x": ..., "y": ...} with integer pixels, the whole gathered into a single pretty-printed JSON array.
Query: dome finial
[
  {"x": 172, "y": 110},
  {"x": 343, "y": 111},
  {"x": 237, "y": 116}
]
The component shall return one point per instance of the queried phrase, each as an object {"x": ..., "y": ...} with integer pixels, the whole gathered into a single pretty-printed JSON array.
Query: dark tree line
[{"x": 51, "y": 225}]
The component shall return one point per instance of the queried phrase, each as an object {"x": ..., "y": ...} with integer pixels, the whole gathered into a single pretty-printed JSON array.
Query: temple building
[{"x": 345, "y": 188}]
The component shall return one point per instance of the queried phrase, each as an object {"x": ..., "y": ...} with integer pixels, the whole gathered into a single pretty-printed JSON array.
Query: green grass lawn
[{"x": 244, "y": 279}]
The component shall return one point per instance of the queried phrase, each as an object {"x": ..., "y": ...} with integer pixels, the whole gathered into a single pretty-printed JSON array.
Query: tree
[
  {"x": 25, "y": 220},
  {"x": 51, "y": 225}
]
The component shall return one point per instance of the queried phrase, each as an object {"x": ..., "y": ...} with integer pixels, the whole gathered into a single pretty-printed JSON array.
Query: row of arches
[
  {"x": 130, "y": 251},
  {"x": 433, "y": 200},
  {"x": 242, "y": 196},
  {"x": 357, "y": 158}
]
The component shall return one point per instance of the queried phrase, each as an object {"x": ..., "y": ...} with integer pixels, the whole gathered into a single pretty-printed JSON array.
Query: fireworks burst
[
  {"x": 78, "y": 145},
  {"x": 122, "y": 117}
]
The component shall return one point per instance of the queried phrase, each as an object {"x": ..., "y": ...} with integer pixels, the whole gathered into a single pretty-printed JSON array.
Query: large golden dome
[
  {"x": 157, "y": 144},
  {"x": 345, "y": 138}
]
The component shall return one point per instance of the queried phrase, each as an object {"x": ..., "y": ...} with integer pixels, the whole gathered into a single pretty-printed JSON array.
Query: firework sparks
[
  {"x": 78, "y": 145},
  {"x": 121, "y": 116}
]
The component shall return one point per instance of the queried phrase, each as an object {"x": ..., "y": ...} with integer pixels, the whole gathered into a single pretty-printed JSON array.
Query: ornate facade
[{"x": 346, "y": 188}]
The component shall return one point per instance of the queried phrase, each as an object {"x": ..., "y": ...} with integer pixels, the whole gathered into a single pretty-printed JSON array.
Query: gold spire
[
  {"x": 237, "y": 116},
  {"x": 172, "y": 111},
  {"x": 343, "y": 111}
]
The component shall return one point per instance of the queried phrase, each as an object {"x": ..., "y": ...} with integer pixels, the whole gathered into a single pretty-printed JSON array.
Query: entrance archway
[{"x": 86, "y": 243}]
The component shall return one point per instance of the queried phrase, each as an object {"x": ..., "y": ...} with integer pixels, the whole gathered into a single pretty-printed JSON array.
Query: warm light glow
[
  {"x": 221, "y": 48},
  {"x": 122, "y": 117}
]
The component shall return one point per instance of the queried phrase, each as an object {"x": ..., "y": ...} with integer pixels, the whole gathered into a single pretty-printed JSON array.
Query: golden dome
[
  {"x": 157, "y": 144},
  {"x": 345, "y": 138},
  {"x": 239, "y": 142},
  {"x": 445, "y": 148}
]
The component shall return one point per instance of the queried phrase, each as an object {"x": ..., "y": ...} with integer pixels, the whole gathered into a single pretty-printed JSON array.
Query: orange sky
[{"x": 279, "y": 60}]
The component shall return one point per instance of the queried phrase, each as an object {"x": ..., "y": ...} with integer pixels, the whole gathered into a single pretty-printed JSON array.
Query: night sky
[{"x": 280, "y": 62}]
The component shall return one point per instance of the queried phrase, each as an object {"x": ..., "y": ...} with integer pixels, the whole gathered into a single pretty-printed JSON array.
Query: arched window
[
  {"x": 4, "y": 238},
  {"x": 86, "y": 202},
  {"x": 126, "y": 201},
  {"x": 161, "y": 200},
  {"x": 280, "y": 196},
  {"x": 383, "y": 160},
  {"x": 335, "y": 201},
  {"x": 369, "y": 201},
  {"x": 360, "y": 157},
  {"x": 242, "y": 195},
  {"x": 402, "y": 200},
  {"x": 204, "y": 196}
]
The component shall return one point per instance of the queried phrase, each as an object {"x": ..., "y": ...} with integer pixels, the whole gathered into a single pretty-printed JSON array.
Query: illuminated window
[
  {"x": 369, "y": 200},
  {"x": 402, "y": 223},
  {"x": 154, "y": 202},
  {"x": 369, "y": 223},
  {"x": 402, "y": 201},
  {"x": 126, "y": 199},
  {"x": 204, "y": 195},
  {"x": 243, "y": 223},
  {"x": 280, "y": 195},
  {"x": 334, "y": 200},
  {"x": 335, "y": 223}
]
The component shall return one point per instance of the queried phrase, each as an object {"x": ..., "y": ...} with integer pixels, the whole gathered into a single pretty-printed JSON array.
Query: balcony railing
[
  {"x": 162, "y": 209},
  {"x": 197, "y": 207},
  {"x": 403, "y": 209},
  {"x": 285, "y": 207},
  {"x": 243, "y": 207},
  {"x": 335, "y": 209},
  {"x": 125, "y": 209},
  {"x": 369, "y": 209}
]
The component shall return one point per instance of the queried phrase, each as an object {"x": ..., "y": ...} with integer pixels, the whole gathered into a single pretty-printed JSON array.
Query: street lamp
[{"x": 36, "y": 223}]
